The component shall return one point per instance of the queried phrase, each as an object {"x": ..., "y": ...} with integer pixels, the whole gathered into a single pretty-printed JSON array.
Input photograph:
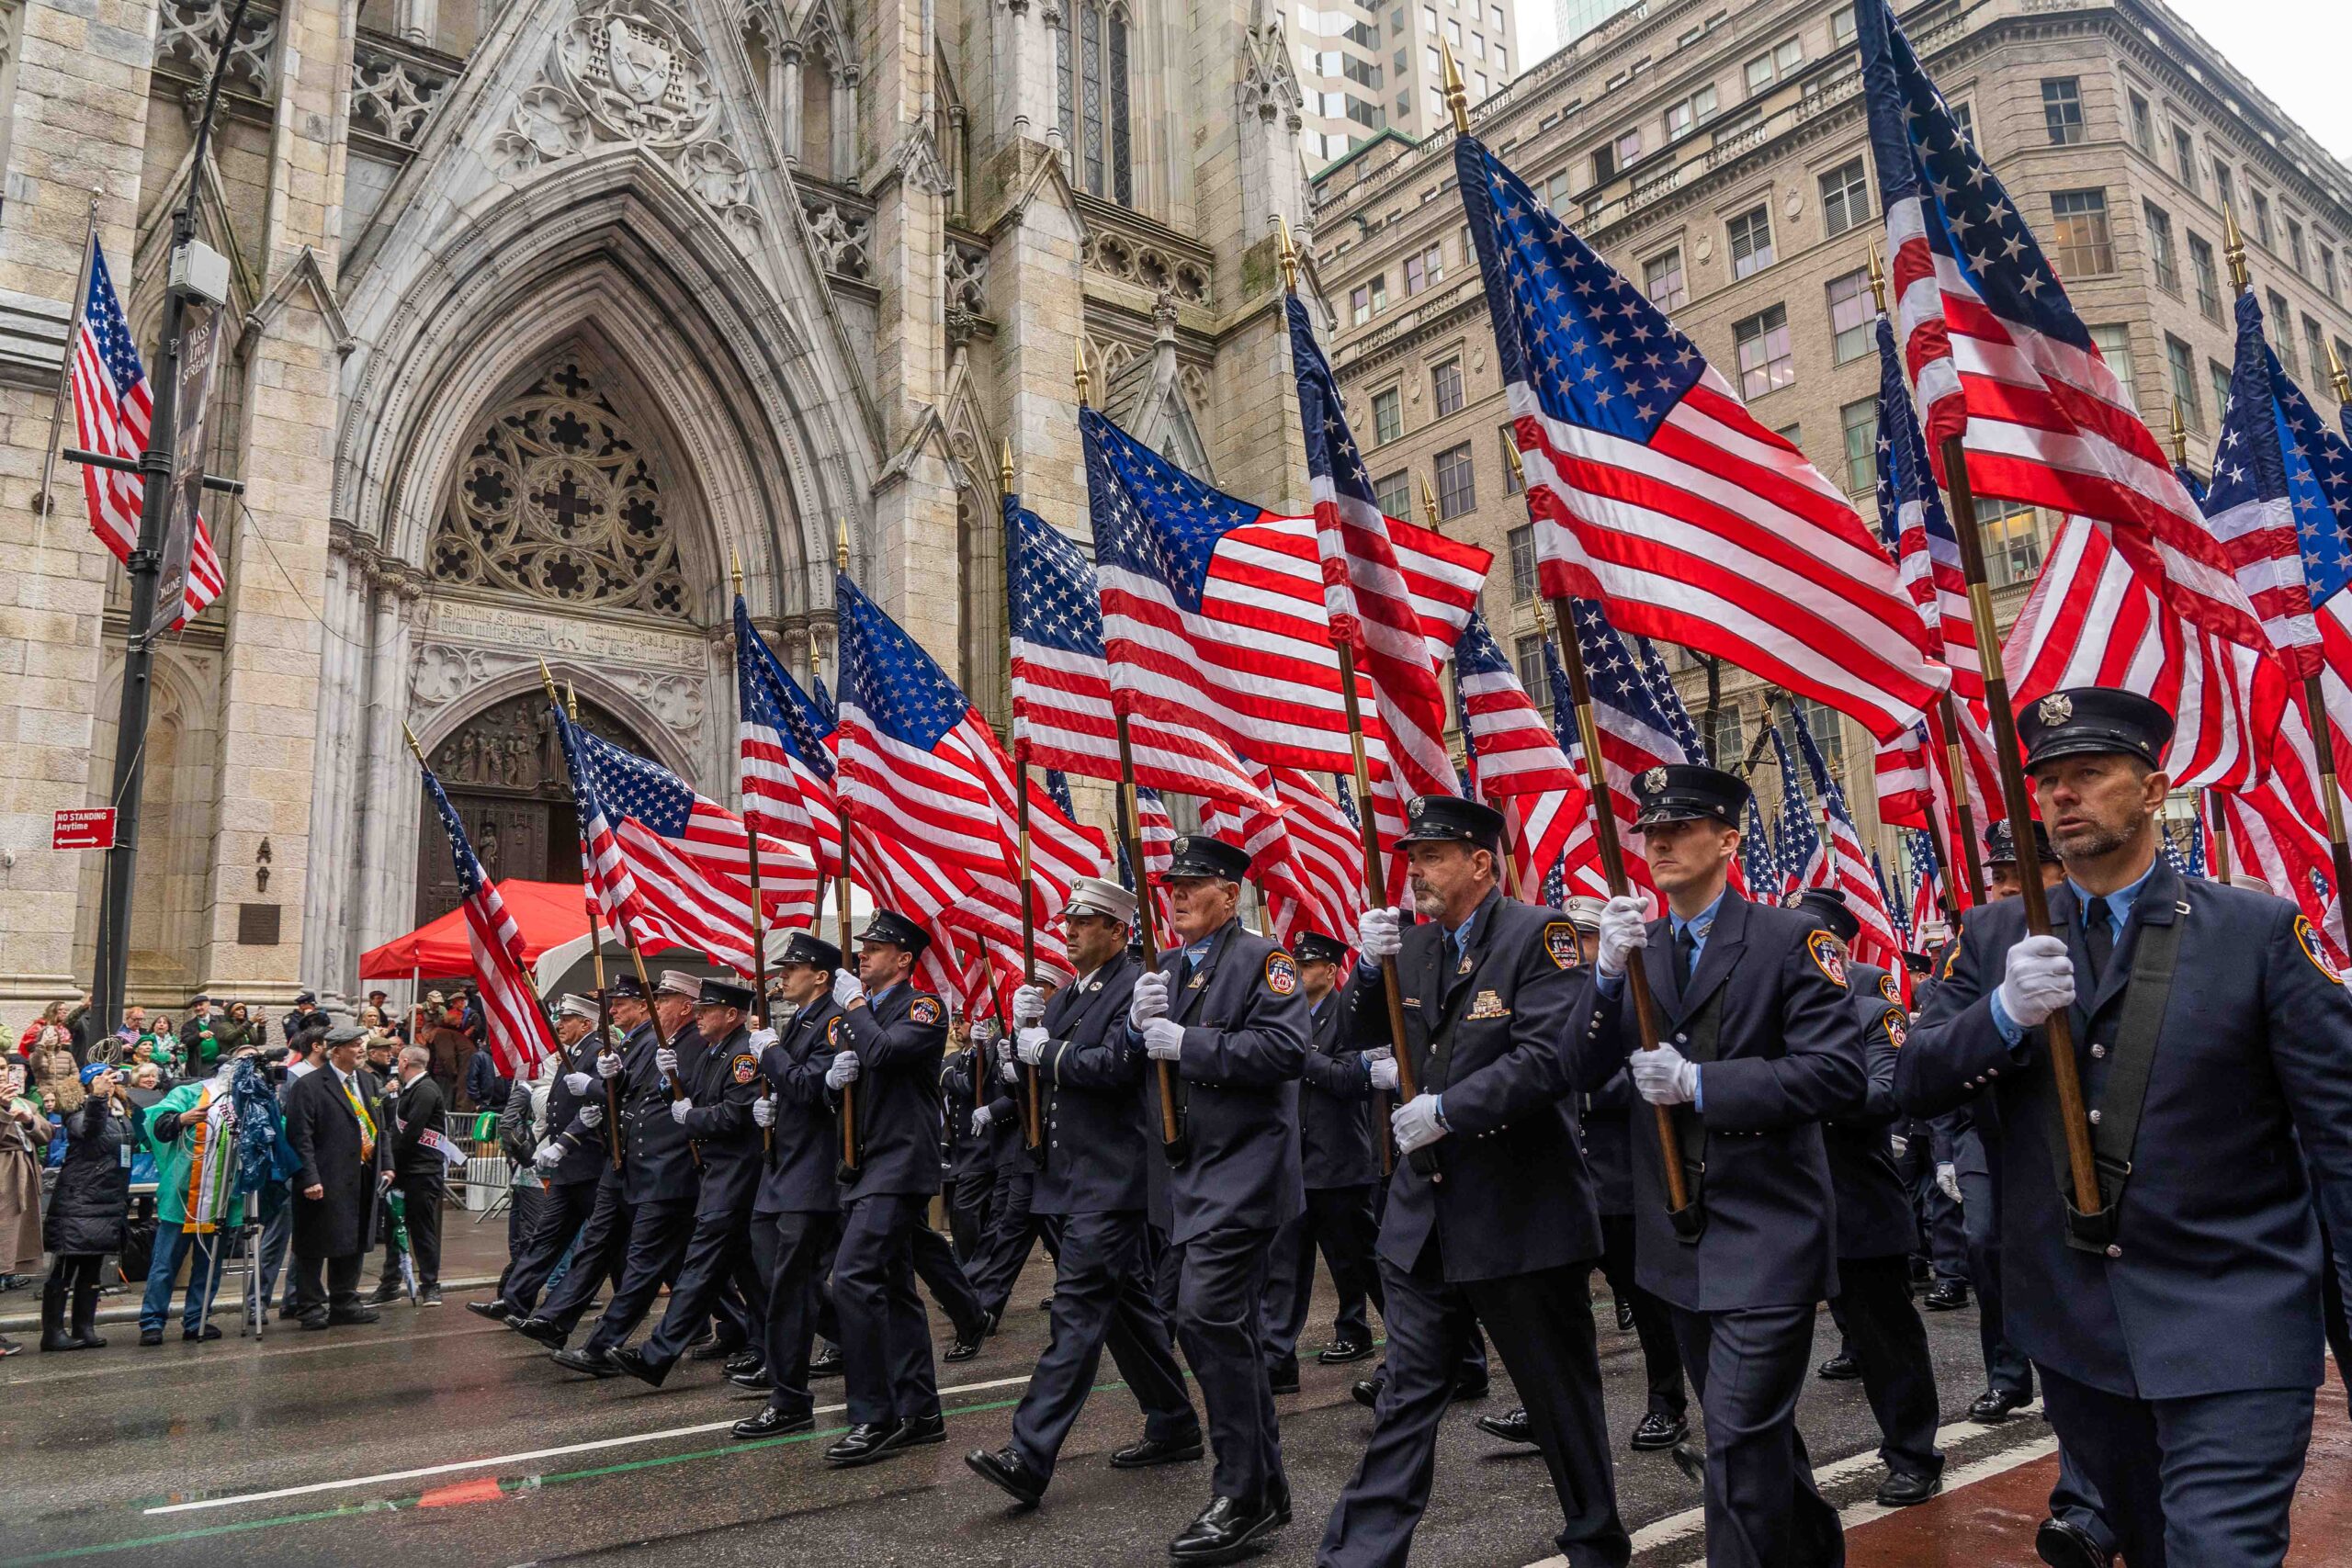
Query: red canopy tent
[{"x": 547, "y": 913}]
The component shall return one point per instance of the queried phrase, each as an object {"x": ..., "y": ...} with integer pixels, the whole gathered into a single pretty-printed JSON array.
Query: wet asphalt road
[{"x": 96, "y": 1440}]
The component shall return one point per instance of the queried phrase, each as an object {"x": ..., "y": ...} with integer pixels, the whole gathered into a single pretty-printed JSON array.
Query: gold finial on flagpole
[
  {"x": 1004, "y": 466},
  {"x": 1519, "y": 477},
  {"x": 1078, "y": 368},
  {"x": 2180, "y": 437},
  {"x": 546, "y": 679},
  {"x": 414, "y": 749},
  {"x": 571, "y": 701},
  {"x": 2233, "y": 249},
  {"x": 2338, "y": 382},
  {"x": 1289, "y": 256},
  {"x": 1878, "y": 280},
  {"x": 1458, "y": 102},
  {"x": 735, "y": 565},
  {"x": 1429, "y": 502},
  {"x": 1542, "y": 622}
]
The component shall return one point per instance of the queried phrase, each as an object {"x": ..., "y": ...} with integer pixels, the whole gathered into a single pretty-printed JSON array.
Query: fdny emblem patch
[
  {"x": 1828, "y": 956},
  {"x": 1282, "y": 972},
  {"x": 1653, "y": 781},
  {"x": 1898, "y": 1027},
  {"x": 924, "y": 1010},
  {"x": 1561, "y": 941},
  {"x": 1415, "y": 807},
  {"x": 1890, "y": 990},
  {"x": 833, "y": 1030},
  {"x": 2056, "y": 708},
  {"x": 2315, "y": 952},
  {"x": 1951, "y": 958},
  {"x": 745, "y": 1067}
]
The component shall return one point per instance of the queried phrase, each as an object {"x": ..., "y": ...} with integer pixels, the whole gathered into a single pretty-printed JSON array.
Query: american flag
[
  {"x": 2272, "y": 840},
  {"x": 518, "y": 1030},
  {"x": 787, "y": 775},
  {"x": 1155, "y": 831},
  {"x": 1898, "y": 909},
  {"x": 1519, "y": 766},
  {"x": 1638, "y": 730},
  {"x": 670, "y": 864},
  {"x": 1369, "y": 603},
  {"x": 2173, "y": 857},
  {"x": 2001, "y": 361},
  {"x": 2197, "y": 842},
  {"x": 1799, "y": 840},
  {"x": 1911, "y": 518},
  {"x": 1309, "y": 860},
  {"x": 1842, "y": 863},
  {"x": 1062, "y": 716},
  {"x": 1213, "y": 613},
  {"x": 1654, "y": 490},
  {"x": 1912, "y": 776},
  {"x": 1926, "y": 881},
  {"x": 1760, "y": 857},
  {"x": 113, "y": 409}
]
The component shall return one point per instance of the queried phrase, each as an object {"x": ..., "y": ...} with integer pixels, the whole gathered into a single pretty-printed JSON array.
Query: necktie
[
  {"x": 1686, "y": 954},
  {"x": 2098, "y": 937}
]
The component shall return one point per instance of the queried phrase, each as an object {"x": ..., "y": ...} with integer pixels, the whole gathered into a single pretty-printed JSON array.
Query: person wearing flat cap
[
  {"x": 1490, "y": 1210},
  {"x": 892, "y": 1036},
  {"x": 1759, "y": 1045},
  {"x": 587, "y": 1212},
  {"x": 333, "y": 1124},
  {"x": 1224, "y": 1009},
  {"x": 2175, "y": 1325},
  {"x": 1093, "y": 1185}
]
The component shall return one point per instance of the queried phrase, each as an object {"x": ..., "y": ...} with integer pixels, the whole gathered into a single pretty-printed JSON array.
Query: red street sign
[{"x": 91, "y": 828}]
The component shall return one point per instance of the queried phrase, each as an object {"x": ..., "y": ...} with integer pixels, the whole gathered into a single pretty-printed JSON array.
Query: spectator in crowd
[
  {"x": 486, "y": 1088},
  {"x": 238, "y": 1029},
  {"x": 305, "y": 1013},
  {"x": 56, "y": 1076},
  {"x": 192, "y": 1133},
  {"x": 447, "y": 1046},
  {"x": 53, "y": 1030},
  {"x": 305, "y": 1054},
  {"x": 412, "y": 1108},
  {"x": 199, "y": 1039},
  {"x": 115, "y": 1050},
  {"x": 331, "y": 1119},
  {"x": 24, "y": 1136},
  {"x": 146, "y": 1090},
  {"x": 88, "y": 1211},
  {"x": 380, "y": 1050}
]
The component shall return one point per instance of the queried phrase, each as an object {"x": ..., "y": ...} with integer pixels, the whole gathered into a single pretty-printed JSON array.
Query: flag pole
[
  {"x": 758, "y": 907},
  {"x": 1375, "y": 880},
  {"x": 1173, "y": 1140},
  {"x": 603, "y": 1002},
  {"x": 1032, "y": 1134},
  {"x": 2209, "y": 799},
  {"x": 44, "y": 503},
  {"x": 841, "y": 812},
  {"x": 644, "y": 981}
]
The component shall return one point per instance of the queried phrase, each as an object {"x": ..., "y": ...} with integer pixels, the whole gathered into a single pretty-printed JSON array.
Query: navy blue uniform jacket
[
  {"x": 585, "y": 1158},
  {"x": 898, "y": 1041},
  {"x": 1096, "y": 1143},
  {"x": 1875, "y": 1218},
  {"x": 722, "y": 1085},
  {"x": 1334, "y": 1106},
  {"x": 2214, "y": 1286},
  {"x": 808, "y": 1138},
  {"x": 1788, "y": 1052},
  {"x": 657, "y": 1166},
  {"x": 1516, "y": 1196}
]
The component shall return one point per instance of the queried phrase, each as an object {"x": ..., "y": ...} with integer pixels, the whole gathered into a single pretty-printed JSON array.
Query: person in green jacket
[{"x": 199, "y": 1037}]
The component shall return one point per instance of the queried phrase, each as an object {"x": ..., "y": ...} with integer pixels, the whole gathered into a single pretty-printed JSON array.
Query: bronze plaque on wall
[{"x": 257, "y": 925}]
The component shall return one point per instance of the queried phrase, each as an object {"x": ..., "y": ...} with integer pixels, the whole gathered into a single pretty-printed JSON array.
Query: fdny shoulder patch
[
  {"x": 1282, "y": 972},
  {"x": 1951, "y": 958},
  {"x": 833, "y": 1029},
  {"x": 1890, "y": 990},
  {"x": 1828, "y": 956},
  {"x": 1898, "y": 1027},
  {"x": 2309, "y": 939},
  {"x": 924, "y": 1010},
  {"x": 1563, "y": 943},
  {"x": 746, "y": 1068}
]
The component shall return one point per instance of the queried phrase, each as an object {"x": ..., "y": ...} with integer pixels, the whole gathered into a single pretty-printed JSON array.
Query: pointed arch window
[{"x": 1091, "y": 68}]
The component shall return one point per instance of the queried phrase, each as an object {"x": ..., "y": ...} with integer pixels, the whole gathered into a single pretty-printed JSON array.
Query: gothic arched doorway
[{"x": 503, "y": 771}]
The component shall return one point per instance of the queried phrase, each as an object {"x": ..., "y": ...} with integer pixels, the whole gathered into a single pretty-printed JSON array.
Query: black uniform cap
[
  {"x": 310, "y": 996},
  {"x": 1197, "y": 854},
  {"x": 720, "y": 992},
  {"x": 1829, "y": 905},
  {"x": 624, "y": 988},
  {"x": 891, "y": 927},
  {"x": 1686, "y": 792},
  {"x": 2001, "y": 844},
  {"x": 806, "y": 949},
  {"x": 1314, "y": 947},
  {"x": 1451, "y": 819},
  {"x": 2083, "y": 721}
]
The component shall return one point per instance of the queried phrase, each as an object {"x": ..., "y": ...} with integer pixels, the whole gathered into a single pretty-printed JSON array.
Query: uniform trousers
[
  {"x": 1220, "y": 1322},
  {"x": 599, "y": 1253},
  {"x": 1005, "y": 1251},
  {"x": 1653, "y": 1322},
  {"x": 1338, "y": 1222},
  {"x": 1543, "y": 1327},
  {"x": 657, "y": 1245},
  {"x": 885, "y": 1336},
  {"x": 718, "y": 1253},
  {"x": 2204, "y": 1481},
  {"x": 794, "y": 1252},
  {"x": 1940, "y": 1223},
  {"x": 1101, "y": 1300},
  {"x": 968, "y": 1214},
  {"x": 2006, "y": 1368},
  {"x": 1763, "y": 1509},
  {"x": 1890, "y": 1344},
  {"x": 562, "y": 1212},
  {"x": 523, "y": 1205},
  {"x": 950, "y": 1286},
  {"x": 2332, "y": 1317}
]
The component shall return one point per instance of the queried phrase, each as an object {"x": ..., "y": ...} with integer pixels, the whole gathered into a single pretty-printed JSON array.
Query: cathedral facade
[{"x": 549, "y": 317}]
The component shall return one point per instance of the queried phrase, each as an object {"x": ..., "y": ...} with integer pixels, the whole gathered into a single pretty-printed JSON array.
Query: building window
[
  {"x": 2143, "y": 125},
  {"x": 1845, "y": 198},
  {"x": 2159, "y": 251},
  {"x": 1821, "y": 721},
  {"x": 1387, "y": 415},
  {"x": 2209, "y": 283},
  {"x": 1393, "y": 494},
  {"x": 1445, "y": 388},
  {"x": 2295, "y": 247},
  {"x": 1765, "y": 363},
  {"x": 1963, "y": 120},
  {"x": 1555, "y": 191},
  {"x": 1502, "y": 59},
  {"x": 2327, "y": 271},
  {"x": 2083, "y": 245},
  {"x": 2061, "y": 111},
  {"x": 2315, "y": 347},
  {"x": 1859, "y": 420},
  {"x": 2223, "y": 191},
  {"x": 1663, "y": 281},
  {"x": 1730, "y": 739},
  {"x": 1510, "y": 469},
  {"x": 1683, "y": 118},
  {"x": 1521, "y": 541},
  {"x": 1852, "y": 312},
  {"x": 1457, "y": 491},
  {"x": 1766, "y": 69},
  {"x": 1429, "y": 20},
  {"x": 1527, "y": 657},
  {"x": 2114, "y": 346},
  {"x": 1423, "y": 270},
  {"x": 2217, "y": 376},
  {"x": 2282, "y": 328},
  {"x": 1453, "y": 34},
  {"x": 1751, "y": 242},
  {"x": 1841, "y": 26},
  {"x": 2180, "y": 367},
  {"x": 2184, "y": 157},
  {"x": 2011, "y": 535},
  {"x": 1793, "y": 434},
  {"x": 1103, "y": 154}
]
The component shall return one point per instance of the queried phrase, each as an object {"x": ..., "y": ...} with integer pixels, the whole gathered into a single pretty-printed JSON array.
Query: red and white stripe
[
  {"x": 518, "y": 1030},
  {"x": 1308, "y": 860},
  {"x": 1842, "y": 863},
  {"x": 107, "y": 422},
  {"x": 696, "y": 892}
]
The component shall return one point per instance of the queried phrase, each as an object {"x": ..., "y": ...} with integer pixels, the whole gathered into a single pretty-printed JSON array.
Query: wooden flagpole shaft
[
  {"x": 2082, "y": 1173},
  {"x": 1612, "y": 866},
  {"x": 1172, "y": 1133},
  {"x": 1956, "y": 780},
  {"x": 1032, "y": 1134},
  {"x": 596, "y": 952},
  {"x": 2324, "y": 752},
  {"x": 841, "y": 919},
  {"x": 45, "y": 504},
  {"x": 2217, "y": 831},
  {"x": 759, "y": 911}
]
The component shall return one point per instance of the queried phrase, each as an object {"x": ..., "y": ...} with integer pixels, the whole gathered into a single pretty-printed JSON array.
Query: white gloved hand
[
  {"x": 608, "y": 1065},
  {"x": 762, "y": 1038},
  {"x": 843, "y": 1071},
  {"x": 546, "y": 1156},
  {"x": 1028, "y": 1005},
  {"x": 981, "y": 1117},
  {"x": 1663, "y": 1077},
  {"x": 1163, "y": 1040},
  {"x": 1030, "y": 1046},
  {"x": 2039, "y": 980},
  {"x": 1624, "y": 930},
  {"x": 1948, "y": 1180},
  {"x": 847, "y": 987},
  {"x": 1415, "y": 1122},
  {"x": 1149, "y": 1000},
  {"x": 1007, "y": 1072},
  {"x": 1377, "y": 935},
  {"x": 665, "y": 1062},
  {"x": 678, "y": 1109},
  {"x": 1383, "y": 1066},
  {"x": 592, "y": 1115},
  {"x": 576, "y": 1084},
  {"x": 1898, "y": 1146},
  {"x": 763, "y": 1112}
]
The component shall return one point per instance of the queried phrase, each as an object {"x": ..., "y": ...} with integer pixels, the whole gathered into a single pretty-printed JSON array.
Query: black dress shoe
[
  {"x": 2064, "y": 1544},
  {"x": 1005, "y": 1469},
  {"x": 1150, "y": 1452},
  {"x": 154, "y": 1335},
  {"x": 1511, "y": 1428},
  {"x": 1624, "y": 1317},
  {"x": 1339, "y": 1352},
  {"x": 1946, "y": 1295},
  {"x": 826, "y": 1363},
  {"x": 387, "y": 1290},
  {"x": 592, "y": 1364},
  {"x": 744, "y": 1360},
  {"x": 919, "y": 1430},
  {"x": 1366, "y": 1390},
  {"x": 1046, "y": 1305},
  {"x": 195, "y": 1335},
  {"x": 861, "y": 1444},
  {"x": 1467, "y": 1389},
  {"x": 1902, "y": 1489},
  {"x": 756, "y": 1378},
  {"x": 544, "y": 1330},
  {"x": 350, "y": 1314},
  {"x": 1284, "y": 1379},
  {"x": 774, "y": 1423},
  {"x": 994, "y": 1321},
  {"x": 1995, "y": 1405},
  {"x": 497, "y": 1309},
  {"x": 712, "y": 1350},
  {"x": 1839, "y": 1368},
  {"x": 962, "y": 1349},
  {"x": 630, "y": 1359},
  {"x": 312, "y": 1321},
  {"x": 1657, "y": 1432},
  {"x": 1223, "y": 1531}
]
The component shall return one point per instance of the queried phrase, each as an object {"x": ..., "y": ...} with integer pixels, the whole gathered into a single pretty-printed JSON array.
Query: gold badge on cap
[
  {"x": 1653, "y": 781},
  {"x": 2056, "y": 708},
  {"x": 1417, "y": 805},
  {"x": 1182, "y": 846}
]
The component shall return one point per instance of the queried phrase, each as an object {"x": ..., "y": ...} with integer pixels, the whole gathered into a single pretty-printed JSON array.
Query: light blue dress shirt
[{"x": 2119, "y": 916}]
